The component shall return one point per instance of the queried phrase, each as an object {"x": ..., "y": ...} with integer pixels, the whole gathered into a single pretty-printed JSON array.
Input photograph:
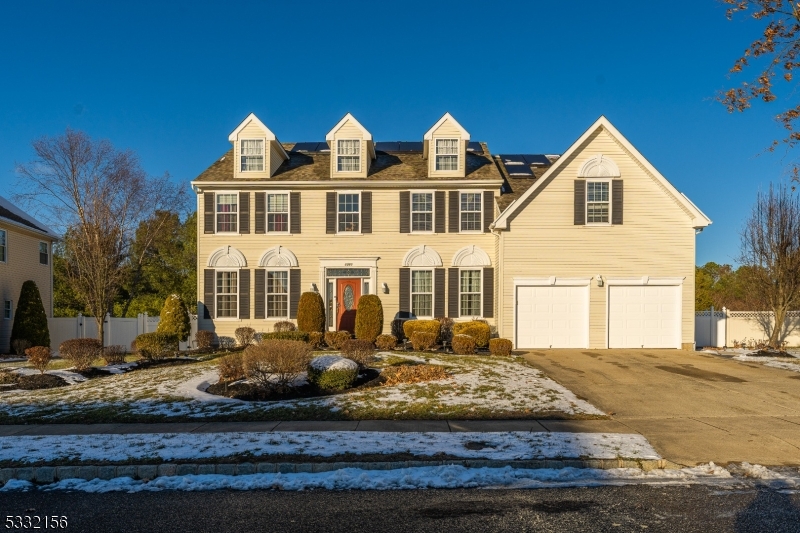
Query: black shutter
[
  {"x": 488, "y": 210},
  {"x": 616, "y": 201},
  {"x": 454, "y": 207},
  {"x": 439, "y": 291},
  {"x": 294, "y": 292},
  {"x": 261, "y": 212},
  {"x": 405, "y": 212},
  {"x": 453, "y": 310},
  {"x": 208, "y": 293},
  {"x": 440, "y": 214},
  {"x": 261, "y": 288},
  {"x": 580, "y": 203},
  {"x": 208, "y": 212},
  {"x": 330, "y": 212},
  {"x": 366, "y": 212},
  {"x": 244, "y": 294},
  {"x": 244, "y": 212},
  {"x": 294, "y": 215},
  {"x": 488, "y": 293},
  {"x": 404, "y": 292}
]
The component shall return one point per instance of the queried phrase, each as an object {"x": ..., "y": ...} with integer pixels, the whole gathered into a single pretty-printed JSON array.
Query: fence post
[
  {"x": 79, "y": 326},
  {"x": 725, "y": 326}
]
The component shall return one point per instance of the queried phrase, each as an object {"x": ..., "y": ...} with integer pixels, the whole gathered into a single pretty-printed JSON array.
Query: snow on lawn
[
  {"x": 784, "y": 363},
  {"x": 190, "y": 446},
  {"x": 479, "y": 385},
  {"x": 439, "y": 477}
]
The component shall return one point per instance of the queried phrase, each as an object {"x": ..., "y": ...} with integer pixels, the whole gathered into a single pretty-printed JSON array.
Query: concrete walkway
[{"x": 693, "y": 407}]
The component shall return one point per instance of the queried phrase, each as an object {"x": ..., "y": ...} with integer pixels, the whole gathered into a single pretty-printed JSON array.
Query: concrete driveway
[{"x": 693, "y": 407}]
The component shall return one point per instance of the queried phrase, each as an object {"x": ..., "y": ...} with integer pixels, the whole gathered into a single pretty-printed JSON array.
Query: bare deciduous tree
[
  {"x": 96, "y": 196},
  {"x": 770, "y": 247}
]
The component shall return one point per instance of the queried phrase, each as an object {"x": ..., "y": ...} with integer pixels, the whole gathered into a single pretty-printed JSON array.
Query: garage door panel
[
  {"x": 644, "y": 316},
  {"x": 552, "y": 317}
]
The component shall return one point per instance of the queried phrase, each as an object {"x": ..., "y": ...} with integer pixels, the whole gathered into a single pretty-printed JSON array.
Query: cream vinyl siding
[
  {"x": 656, "y": 239},
  {"x": 252, "y": 131},
  {"x": 22, "y": 264},
  {"x": 275, "y": 158},
  {"x": 447, "y": 130},
  {"x": 385, "y": 242},
  {"x": 350, "y": 131}
]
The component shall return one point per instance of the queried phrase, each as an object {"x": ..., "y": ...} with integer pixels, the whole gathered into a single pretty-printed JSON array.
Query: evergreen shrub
[
  {"x": 175, "y": 318},
  {"x": 154, "y": 346},
  {"x": 463, "y": 344},
  {"x": 386, "y": 342},
  {"x": 500, "y": 347},
  {"x": 311, "y": 312},
  {"x": 478, "y": 330},
  {"x": 369, "y": 317},
  {"x": 30, "y": 319},
  {"x": 426, "y": 326},
  {"x": 335, "y": 339}
]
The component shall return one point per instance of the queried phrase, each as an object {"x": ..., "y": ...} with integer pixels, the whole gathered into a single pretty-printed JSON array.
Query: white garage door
[
  {"x": 552, "y": 317},
  {"x": 644, "y": 316}
]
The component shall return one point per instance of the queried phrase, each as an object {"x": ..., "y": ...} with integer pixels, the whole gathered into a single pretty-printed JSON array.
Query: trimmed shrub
[
  {"x": 369, "y": 317},
  {"x": 285, "y": 336},
  {"x": 386, "y": 342},
  {"x": 175, "y": 318},
  {"x": 500, "y": 347},
  {"x": 39, "y": 357},
  {"x": 332, "y": 373},
  {"x": 155, "y": 346},
  {"x": 335, "y": 339},
  {"x": 114, "y": 354},
  {"x": 422, "y": 340},
  {"x": 204, "y": 339},
  {"x": 20, "y": 345},
  {"x": 274, "y": 365},
  {"x": 311, "y": 312},
  {"x": 81, "y": 352},
  {"x": 463, "y": 344},
  {"x": 284, "y": 325},
  {"x": 479, "y": 331},
  {"x": 446, "y": 329},
  {"x": 426, "y": 326},
  {"x": 30, "y": 320},
  {"x": 361, "y": 351},
  {"x": 316, "y": 339},
  {"x": 231, "y": 367},
  {"x": 244, "y": 335}
]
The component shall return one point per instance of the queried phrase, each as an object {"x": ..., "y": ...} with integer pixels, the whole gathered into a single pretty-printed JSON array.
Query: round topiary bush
[
  {"x": 500, "y": 347},
  {"x": 386, "y": 342},
  {"x": 81, "y": 352},
  {"x": 463, "y": 345},
  {"x": 30, "y": 320},
  {"x": 332, "y": 373},
  {"x": 369, "y": 317},
  {"x": 335, "y": 339},
  {"x": 423, "y": 340},
  {"x": 310, "y": 312},
  {"x": 154, "y": 346},
  {"x": 284, "y": 325},
  {"x": 479, "y": 331},
  {"x": 245, "y": 335},
  {"x": 175, "y": 318}
]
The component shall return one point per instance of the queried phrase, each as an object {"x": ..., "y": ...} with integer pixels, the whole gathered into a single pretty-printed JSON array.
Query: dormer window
[
  {"x": 348, "y": 155},
  {"x": 252, "y": 151},
  {"x": 446, "y": 154}
]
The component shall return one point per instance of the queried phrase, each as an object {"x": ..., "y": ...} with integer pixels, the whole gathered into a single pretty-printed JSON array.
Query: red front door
[{"x": 348, "y": 291}]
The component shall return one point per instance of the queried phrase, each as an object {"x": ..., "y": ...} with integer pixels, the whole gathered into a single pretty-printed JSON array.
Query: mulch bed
[
  {"x": 771, "y": 353},
  {"x": 40, "y": 381},
  {"x": 249, "y": 392},
  {"x": 93, "y": 372}
]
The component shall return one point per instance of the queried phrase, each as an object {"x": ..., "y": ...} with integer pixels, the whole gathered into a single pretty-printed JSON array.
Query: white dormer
[
  {"x": 352, "y": 149},
  {"x": 257, "y": 153},
  {"x": 445, "y": 147}
]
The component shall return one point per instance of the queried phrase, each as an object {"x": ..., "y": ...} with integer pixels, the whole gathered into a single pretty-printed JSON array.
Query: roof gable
[
  {"x": 253, "y": 119},
  {"x": 447, "y": 117},
  {"x": 348, "y": 118}
]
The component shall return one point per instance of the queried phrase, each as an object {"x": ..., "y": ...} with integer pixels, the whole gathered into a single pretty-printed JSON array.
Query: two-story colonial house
[{"x": 536, "y": 245}]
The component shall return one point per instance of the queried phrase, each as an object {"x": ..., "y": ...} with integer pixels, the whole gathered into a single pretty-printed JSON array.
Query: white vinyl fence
[
  {"x": 116, "y": 330},
  {"x": 726, "y": 328}
]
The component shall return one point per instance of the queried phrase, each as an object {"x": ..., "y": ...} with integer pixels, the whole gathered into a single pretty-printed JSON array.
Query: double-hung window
[
  {"x": 422, "y": 211},
  {"x": 470, "y": 293},
  {"x": 277, "y": 212},
  {"x": 252, "y": 152},
  {"x": 471, "y": 214},
  {"x": 3, "y": 246},
  {"x": 446, "y": 154},
  {"x": 7, "y": 310},
  {"x": 422, "y": 292},
  {"x": 597, "y": 202},
  {"x": 349, "y": 212},
  {"x": 348, "y": 155},
  {"x": 277, "y": 294},
  {"x": 227, "y": 211},
  {"x": 44, "y": 255},
  {"x": 227, "y": 294}
]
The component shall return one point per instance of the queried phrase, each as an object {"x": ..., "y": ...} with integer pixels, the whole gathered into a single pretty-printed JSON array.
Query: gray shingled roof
[{"x": 12, "y": 214}]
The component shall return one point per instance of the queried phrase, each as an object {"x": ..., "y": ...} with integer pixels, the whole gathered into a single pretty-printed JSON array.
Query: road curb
[{"x": 50, "y": 474}]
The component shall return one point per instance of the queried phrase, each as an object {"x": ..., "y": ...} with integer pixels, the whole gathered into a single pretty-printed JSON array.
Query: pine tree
[
  {"x": 30, "y": 320},
  {"x": 175, "y": 318}
]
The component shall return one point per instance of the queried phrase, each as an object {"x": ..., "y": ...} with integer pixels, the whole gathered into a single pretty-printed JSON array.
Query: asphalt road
[{"x": 617, "y": 509}]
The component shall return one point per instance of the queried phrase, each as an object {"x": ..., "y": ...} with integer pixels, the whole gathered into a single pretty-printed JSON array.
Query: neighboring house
[
  {"x": 536, "y": 245},
  {"x": 26, "y": 247}
]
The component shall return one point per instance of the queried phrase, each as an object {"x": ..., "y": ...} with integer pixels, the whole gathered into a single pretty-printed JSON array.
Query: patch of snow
[
  {"x": 70, "y": 377},
  {"x": 119, "y": 368},
  {"x": 784, "y": 363},
  {"x": 333, "y": 362}
]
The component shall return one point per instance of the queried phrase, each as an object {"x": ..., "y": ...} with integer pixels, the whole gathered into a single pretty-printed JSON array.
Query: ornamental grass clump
[
  {"x": 500, "y": 347},
  {"x": 175, "y": 318},
  {"x": 155, "y": 346},
  {"x": 359, "y": 350},
  {"x": 335, "y": 339},
  {"x": 332, "y": 373},
  {"x": 310, "y": 312},
  {"x": 386, "y": 342},
  {"x": 476, "y": 329},
  {"x": 39, "y": 357},
  {"x": 274, "y": 365},
  {"x": 369, "y": 317},
  {"x": 244, "y": 335},
  {"x": 423, "y": 340},
  {"x": 81, "y": 352},
  {"x": 463, "y": 345},
  {"x": 395, "y": 375},
  {"x": 231, "y": 367}
]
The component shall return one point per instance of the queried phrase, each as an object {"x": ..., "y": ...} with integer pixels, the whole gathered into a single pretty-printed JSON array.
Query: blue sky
[{"x": 170, "y": 80}]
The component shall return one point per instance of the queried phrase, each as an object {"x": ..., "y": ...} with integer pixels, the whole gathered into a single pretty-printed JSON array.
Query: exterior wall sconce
[
  {"x": 314, "y": 287},
  {"x": 599, "y": 279},
  {"x": 385, "y": 288}
]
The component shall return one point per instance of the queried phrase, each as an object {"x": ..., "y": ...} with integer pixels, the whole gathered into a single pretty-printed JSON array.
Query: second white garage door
[
  {"x": 644, "y": 316},
  {"x": 552, "y": 317}
]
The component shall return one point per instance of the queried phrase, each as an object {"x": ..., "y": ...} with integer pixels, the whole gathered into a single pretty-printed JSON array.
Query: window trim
[
  {"x": 217, "y": 294},
  {"x": 288, "y": 213},
  {"x": 411, "y": 292},
  {"x": 47, "y": 253},
  {"x": 267, "y": 293},
  {"x": 586, "y": 202},
  {"x": 8, "y": 305},
  {"x": 360, "y": 212},
  {"x": 479, "y": 293},
  {"x": 263, "y": 154},
  {"x": 4, "y": 246},
  {"x": 460, "y": 212},
  {"x": 411, "y": 211},
  {"x": 436, "y": 154},
  {"x": 217, "y": 213},
  {"x": 339, "y": 154}
]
